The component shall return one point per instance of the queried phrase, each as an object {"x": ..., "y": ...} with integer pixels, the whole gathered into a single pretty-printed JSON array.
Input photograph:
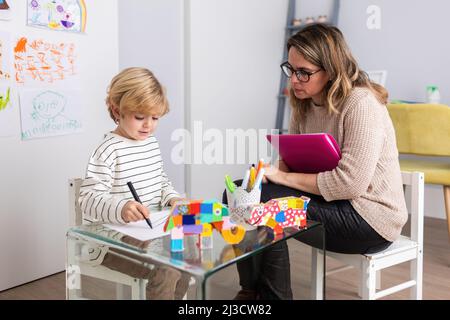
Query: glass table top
[{"x": 200, "y": 262}]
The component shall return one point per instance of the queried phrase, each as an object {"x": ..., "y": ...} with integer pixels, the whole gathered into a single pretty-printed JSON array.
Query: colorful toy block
[{"x": 199, "y": 217}]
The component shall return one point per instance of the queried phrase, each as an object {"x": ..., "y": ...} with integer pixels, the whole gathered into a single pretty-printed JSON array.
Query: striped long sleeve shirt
[{"x": 114, "y": 162}]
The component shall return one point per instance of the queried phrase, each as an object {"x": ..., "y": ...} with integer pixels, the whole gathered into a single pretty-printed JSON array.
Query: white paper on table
[{"x": 141, "y": 231}]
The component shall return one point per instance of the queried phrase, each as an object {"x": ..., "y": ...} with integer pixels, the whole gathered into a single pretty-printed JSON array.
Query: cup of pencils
[{"x": 242, "y": 199}]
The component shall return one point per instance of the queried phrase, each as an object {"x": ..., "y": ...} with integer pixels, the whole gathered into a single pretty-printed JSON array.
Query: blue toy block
[
  {"x": 280, "y": 217},
  {"x": 206, "y": 208},
  {"x": 176, "y": 245},
  {"x": 188, "y": 219},
  {"x": 206, "y": 218}
]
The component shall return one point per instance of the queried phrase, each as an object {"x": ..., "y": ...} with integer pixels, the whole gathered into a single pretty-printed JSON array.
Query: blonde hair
[
  {"x": 324, "y": 46},
  {"x": 136, "y": 90}
]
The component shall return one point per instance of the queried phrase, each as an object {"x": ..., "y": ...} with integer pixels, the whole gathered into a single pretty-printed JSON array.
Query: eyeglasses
[{"x": 301, "y": 74}]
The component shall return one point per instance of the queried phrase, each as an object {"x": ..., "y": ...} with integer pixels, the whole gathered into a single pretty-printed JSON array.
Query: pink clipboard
[{"x": 307, "y": 153}]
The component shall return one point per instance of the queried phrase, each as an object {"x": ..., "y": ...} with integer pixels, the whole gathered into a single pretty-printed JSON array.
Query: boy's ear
[{"x": 115, "y": 111}]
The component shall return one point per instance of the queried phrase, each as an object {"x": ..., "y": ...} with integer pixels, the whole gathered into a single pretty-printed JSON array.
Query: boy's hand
[
  {"x": 174, "y": 201},
  {"x": 134, "y": 211}
]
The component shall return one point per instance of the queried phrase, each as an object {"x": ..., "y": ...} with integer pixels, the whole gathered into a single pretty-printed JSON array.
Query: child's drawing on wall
[
  {"x": 62, "y": 15},
  {"x": 49, "y": 113}
]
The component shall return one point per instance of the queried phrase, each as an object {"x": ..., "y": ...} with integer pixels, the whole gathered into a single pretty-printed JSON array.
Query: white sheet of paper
[{"x": 141, "y": 231}]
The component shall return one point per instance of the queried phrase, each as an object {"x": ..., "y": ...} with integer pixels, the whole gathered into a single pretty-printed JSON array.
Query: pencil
[{"x": 136, "y": 197}]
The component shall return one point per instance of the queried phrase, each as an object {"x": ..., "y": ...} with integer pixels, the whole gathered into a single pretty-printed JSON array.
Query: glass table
[{"x": 201, "y": 264}]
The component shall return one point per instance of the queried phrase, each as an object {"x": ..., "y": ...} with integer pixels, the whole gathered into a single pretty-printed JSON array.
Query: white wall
[
  {"x": 34, "y": 173},
  {"x": 233, "y": 53},
  {"x": 151, "y": 36}
]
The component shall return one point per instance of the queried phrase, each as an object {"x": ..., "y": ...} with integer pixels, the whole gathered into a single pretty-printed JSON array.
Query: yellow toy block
[
  {"x": 234, "y": 235},
  {"x": 207, "y": 230},
  {"x": 271, "y": 223}
]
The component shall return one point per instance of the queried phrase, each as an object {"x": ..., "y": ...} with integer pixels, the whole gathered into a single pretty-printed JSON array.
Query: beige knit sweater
[{"x": 368, "y": 173}]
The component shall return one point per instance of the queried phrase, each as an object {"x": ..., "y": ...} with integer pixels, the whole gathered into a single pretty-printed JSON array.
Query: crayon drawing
[
  {"x": 9, "y": 118},
  {"x": 5, "y": 56},
  {"x": 61, "y": 15},
  {"x": 42, "y": 62},
  {"x": 47, "y": 113},
  {"x": 5, "y": 10}
]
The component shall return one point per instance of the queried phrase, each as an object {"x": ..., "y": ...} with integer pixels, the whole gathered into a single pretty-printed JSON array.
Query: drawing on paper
[
  {"x": 4, "y": 99},
  {"x": 9, "y": 115},
  {"x": 42, "y": 61},
  {"x": 4, "y": 5},
  {"x": 5, "y": 59},
  {"x": 5, "y": 10},
  {"x": 62, "y": 15},
  {"x": 49, "y": 113}
]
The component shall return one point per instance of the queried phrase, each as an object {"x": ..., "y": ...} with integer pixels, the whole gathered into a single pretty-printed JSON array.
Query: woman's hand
[
  {"x": 275, "y": 175},
  {"x": 281, "y": 166},
  {"x": 134, "y": 211}
]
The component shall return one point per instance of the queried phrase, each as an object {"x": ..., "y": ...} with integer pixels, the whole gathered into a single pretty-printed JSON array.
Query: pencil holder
[{"x": 240, "y": 204}]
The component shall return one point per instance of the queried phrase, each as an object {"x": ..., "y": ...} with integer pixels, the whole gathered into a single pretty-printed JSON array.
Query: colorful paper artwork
[
  {"x": 43, "y": 62},
  {"x": 280, "y": 213},
  {"x": 5, "y": 10},
  {"x": 47, "y": 113},
  {"x": 5, "y": 56},
  {"x": 62, "y": 15},
  {"x": 9, "y": 117}
]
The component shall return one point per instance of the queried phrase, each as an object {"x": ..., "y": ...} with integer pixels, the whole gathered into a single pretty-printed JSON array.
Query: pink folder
[{"x": 307, "y": 153}]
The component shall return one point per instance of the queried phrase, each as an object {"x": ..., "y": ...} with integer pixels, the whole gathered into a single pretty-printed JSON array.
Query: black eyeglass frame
[{"x": 298, "y": 73}]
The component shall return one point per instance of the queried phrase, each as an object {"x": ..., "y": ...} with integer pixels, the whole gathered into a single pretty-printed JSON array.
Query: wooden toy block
[
  {"x": 207, "y": 230},
  {"x": 193, "y": 229},
  {"x": 194, "y": 207},
  {"x": 206, "y": 242},
  {"x": 188, "y": 219},
  {"x": 178, "y": 220},
  {"x": 176, "y": 245},
  {"x": 206, "y": 208},
  {"x": 206, "y": 218}
]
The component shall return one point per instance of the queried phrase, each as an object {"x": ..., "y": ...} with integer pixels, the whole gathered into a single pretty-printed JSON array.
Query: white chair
[
  {"x": 100, "y": 272},
  {"x": 402, "y": 250}
]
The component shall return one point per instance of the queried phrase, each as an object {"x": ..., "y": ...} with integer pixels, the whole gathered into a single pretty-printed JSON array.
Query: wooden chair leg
[
  {"x": 368, "y": 280},
  {"x": 447, "y": 206}
]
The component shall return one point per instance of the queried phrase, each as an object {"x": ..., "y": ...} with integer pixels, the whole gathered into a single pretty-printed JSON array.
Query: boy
[{"x": 135, "y": 100}]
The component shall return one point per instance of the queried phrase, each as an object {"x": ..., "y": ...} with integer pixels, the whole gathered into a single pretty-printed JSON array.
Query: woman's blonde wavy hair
[
  {"x": 324, "y": 46},
  {"x": 136, "y": 90}
]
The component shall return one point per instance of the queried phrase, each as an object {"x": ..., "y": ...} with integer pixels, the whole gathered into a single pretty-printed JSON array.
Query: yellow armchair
[{"x": 424, "y": 129}]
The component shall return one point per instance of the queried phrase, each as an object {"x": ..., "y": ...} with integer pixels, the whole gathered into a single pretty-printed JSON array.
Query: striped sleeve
[
  {"x": 96, "y": 200},
  {"x": 167, "y": 190}
]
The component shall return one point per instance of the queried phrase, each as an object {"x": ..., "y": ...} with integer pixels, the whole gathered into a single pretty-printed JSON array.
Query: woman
[{"x": 360, "y": 202}]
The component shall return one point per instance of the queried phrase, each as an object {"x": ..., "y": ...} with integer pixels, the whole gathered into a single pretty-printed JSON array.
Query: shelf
[{"x": 290, "y": 29}]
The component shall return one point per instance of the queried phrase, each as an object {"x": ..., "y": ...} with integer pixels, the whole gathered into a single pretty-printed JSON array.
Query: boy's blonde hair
[{"x": 136, "y": 90}]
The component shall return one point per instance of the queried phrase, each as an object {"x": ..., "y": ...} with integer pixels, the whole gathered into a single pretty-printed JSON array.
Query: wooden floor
[{"x": 224, "y": 285}]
